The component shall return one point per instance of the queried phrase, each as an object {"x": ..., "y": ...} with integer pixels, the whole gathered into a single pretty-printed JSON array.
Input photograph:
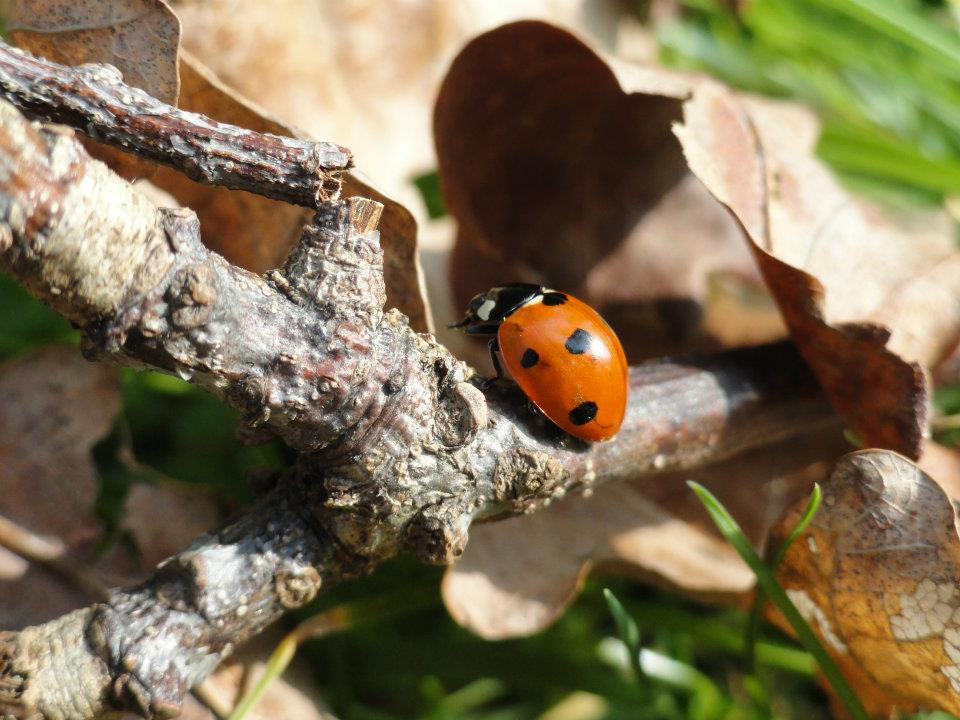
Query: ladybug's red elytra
[{"x": 560, "y": 352}]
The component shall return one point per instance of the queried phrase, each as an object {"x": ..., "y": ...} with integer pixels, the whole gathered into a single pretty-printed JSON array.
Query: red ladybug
[{"x": 560, "y": 352}]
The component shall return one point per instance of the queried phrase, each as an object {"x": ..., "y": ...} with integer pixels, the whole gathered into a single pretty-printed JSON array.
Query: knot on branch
[
  {"x": 12, "y": 680},
  {"x": 524, "y": 475},
  {"x": 296, "y": 585},
  {"x": 438, "y": 534},
  {"x": 192, "y": 295},
  {"x": 337, "y": 267},
  {"x": 461, "y": 414}
]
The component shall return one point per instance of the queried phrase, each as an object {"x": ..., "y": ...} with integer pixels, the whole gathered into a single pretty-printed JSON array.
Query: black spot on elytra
[
  {"x": 583, "y": 413},
  {"x": 529, "y": 358},
  {"x": 579, "y": 342},
  {"x": 554, "y": 298}
]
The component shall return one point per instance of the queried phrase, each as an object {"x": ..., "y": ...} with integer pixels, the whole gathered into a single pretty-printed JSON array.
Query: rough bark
[{"x": 399, "y": 450}]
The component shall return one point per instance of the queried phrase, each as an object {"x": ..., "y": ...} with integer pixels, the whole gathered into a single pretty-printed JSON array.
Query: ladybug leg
[{"x": 495, "y": 359}]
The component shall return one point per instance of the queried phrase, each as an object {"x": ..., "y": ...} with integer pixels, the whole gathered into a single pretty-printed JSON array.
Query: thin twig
[{"x": 95, "y": 100}]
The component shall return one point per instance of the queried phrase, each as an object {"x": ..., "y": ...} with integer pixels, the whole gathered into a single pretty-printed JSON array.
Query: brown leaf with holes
[
  {"x": 876, "y": 576},
  {"x": 138, "y": 37},
  {"x": 869, "y": 301},
  {"x": 54, "y": 406},
  {"x": 519, "y": 575},
  {"x": 560, "y": 166}
]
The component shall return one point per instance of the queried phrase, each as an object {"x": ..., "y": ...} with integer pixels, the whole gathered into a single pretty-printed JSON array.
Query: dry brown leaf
[
  {"x": 518, "y": 576},
  {"x": 531, "y": 85},
  {"x": 876, "y": 575},
  {"x": 869, "y": 302},
  {"x": 138, "y": 37},
  {"x": 561, "y": 167},
  {"x": 53, "y": 407},
  {"x": 550, "y": 153}
]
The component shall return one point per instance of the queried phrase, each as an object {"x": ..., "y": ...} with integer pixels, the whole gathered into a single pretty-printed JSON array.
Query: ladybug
[{"x": 561, "y": 353}]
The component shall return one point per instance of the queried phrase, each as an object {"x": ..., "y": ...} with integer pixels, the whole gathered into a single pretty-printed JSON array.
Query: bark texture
[{"x": 399, "y": 449}]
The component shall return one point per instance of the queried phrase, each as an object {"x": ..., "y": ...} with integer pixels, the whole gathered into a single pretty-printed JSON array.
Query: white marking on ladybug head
[{"x": 483, "y": 312}]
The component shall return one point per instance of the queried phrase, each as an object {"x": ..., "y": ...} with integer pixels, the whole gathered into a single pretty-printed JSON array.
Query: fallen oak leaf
[
  {"x": 493, "y": 589},
  {"x": 876, "y": 575},
  {"x": 868, "y": 303},
  {"x": 140, "y": 38}
]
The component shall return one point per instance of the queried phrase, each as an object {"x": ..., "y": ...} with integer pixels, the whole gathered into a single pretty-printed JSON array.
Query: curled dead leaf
[
  {"x": 553, "y": 156},
  {"x": 138, "y": 37},
  {"x": 876, "y": 575}
]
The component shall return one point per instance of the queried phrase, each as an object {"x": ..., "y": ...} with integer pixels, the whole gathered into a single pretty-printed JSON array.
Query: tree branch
[
  {"x": 399, "y": 450},
  {"x": 95, "y": 99}
]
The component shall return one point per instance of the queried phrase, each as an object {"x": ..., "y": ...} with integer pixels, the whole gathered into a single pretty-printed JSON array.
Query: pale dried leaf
[
  {"x": 358, "y": 73},
  {"x": 138, "y": 37},
  {"x": 53, "y": 407},
  {"x": 876, "y": 575}
]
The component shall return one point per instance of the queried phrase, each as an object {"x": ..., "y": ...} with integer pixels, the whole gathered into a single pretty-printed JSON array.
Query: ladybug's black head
[{"x": 487, "y": 310}]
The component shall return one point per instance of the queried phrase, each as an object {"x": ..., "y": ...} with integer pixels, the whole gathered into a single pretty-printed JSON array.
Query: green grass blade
[
  {"x": 279, "y": 660},
  {"x": 910, "y": 28},
  {"x": 813, "y": 504},
  {"x": 753, "y": 621},
  {"x": 627, "y": 630},
  {"x": 731, "y": 531}
]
